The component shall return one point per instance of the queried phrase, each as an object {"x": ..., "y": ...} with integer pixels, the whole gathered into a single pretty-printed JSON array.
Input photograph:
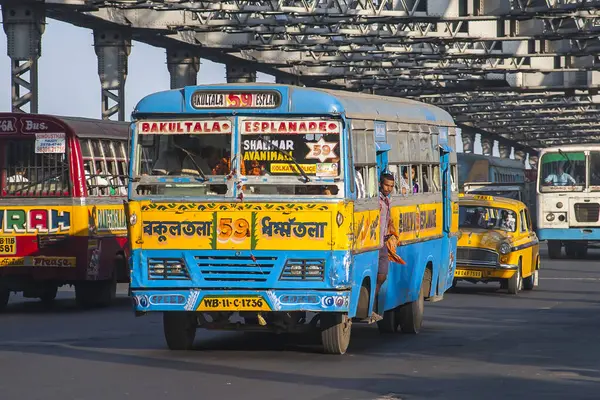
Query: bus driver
[{"x": 560, "y": 179}]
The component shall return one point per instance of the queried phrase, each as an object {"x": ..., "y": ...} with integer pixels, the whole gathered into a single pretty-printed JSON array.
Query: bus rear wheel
[
  {"x": 179, "y": 329},
  {"x": 390, "y": 322},
  {"x": 335, "y": 332},
  {"x": 4, "y": 296},
  {"x": 410, "y": 315}
]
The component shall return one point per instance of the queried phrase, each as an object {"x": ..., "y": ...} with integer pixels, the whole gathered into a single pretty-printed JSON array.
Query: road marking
[{"x": 572, "y": 279}]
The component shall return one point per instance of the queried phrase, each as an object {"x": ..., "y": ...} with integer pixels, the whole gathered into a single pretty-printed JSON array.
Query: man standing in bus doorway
[{"x": 386, "y": 186}]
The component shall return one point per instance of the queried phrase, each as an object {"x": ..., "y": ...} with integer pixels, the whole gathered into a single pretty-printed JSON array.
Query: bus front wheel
[
  {"x": 179, "y": 329},
  {"x": 554, "y": 248},
  {"x": 335, "y": 332}
]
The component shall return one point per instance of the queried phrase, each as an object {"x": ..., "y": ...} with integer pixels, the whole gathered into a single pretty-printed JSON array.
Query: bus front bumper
[
  {"x": 282, "y": 300},
  {"x": 569, "y": 234}
]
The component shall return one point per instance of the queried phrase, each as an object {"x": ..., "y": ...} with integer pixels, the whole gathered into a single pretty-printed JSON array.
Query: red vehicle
[{"x": 62, "y": 219}]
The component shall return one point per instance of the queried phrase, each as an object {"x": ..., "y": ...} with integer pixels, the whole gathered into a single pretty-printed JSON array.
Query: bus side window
[
  {"x": 453, "y": 177},
  {"x": 88, "y": 166},
  {"x": 394, "y": 171},
  {"x": 425, "y": 178},
  {"x": 435, "y": 178},
  {"x": 365, "y": 166}
]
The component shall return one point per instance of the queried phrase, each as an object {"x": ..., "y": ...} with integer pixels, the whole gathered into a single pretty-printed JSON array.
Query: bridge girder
[{"x": 523, "y": 70}]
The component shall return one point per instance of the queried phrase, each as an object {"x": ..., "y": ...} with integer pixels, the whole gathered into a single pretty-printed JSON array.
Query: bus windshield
[
  {"x": 197, "y": 150},
  {"x": 34, "y": 170},
  {"x": 482, "y": 217},
  {"x": 276, "y": 157},
  {"x": 290, "y": 157},
  {"x": 563, "y": 171}
]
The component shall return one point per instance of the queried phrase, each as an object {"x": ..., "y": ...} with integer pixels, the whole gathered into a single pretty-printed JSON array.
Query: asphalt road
[{"x": 478, "y": 343}]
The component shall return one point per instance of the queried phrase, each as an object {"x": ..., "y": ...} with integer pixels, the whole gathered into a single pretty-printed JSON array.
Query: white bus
[{"x": 569, "y": 198}]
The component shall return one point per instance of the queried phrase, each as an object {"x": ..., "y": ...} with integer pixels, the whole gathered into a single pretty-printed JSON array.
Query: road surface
[{"x": 478, "y": 343}]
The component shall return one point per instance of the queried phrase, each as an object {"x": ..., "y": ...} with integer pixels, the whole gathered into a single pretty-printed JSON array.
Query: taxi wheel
[
  {"x": 179, "y": 329},
  {"x": 335, "y": 332},
  {"x": 411, "y": 315},
  {"x": 515, "y": 283},
  {"x": 531, "y": 281},
  {"x": 4, "y": 296}
]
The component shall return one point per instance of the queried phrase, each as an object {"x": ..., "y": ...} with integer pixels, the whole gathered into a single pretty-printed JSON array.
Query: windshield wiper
[
  {"x": 191, "y": 156},
  {"x": 285, "y": 153}
]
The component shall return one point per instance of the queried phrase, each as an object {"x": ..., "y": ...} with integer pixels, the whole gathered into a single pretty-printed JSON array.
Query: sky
[{"x": 68, "y": 74}]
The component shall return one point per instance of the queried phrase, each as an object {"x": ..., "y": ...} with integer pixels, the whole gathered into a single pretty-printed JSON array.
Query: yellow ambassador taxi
[{"x": 496, "y": 243}]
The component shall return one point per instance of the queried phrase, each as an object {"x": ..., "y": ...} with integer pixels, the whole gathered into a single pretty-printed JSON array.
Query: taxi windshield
[{"x": 486, "y": 217}]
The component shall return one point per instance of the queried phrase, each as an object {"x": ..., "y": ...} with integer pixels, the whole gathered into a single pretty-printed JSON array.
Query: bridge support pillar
[
  {"x": 112, "y": 48},
  {"x": 504, "y": 149},
  {"x": 239, "y": 73},
  {"x": 24, "y": 25},
  {"x": 487, "y": 145},
  {"x": 183, "y": 68},
  {"x": 468, "y": 140}
]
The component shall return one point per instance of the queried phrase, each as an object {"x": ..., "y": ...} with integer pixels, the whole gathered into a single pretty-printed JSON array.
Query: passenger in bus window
[
  {"x": 404, "y": 186},
  {"x": 330, "y": 190},
  {"x": 561, "y": 178},
  {"x": 19, "y": 176}
]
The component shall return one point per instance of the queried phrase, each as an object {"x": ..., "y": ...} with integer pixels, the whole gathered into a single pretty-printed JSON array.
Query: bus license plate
[
  {"x": 8, "y": 245},
  {"x": 229, "y": 303},
  {"x": 465, "y": 273}
]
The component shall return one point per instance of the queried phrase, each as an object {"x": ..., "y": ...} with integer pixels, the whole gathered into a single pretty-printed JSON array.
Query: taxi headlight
[{"x": 504, "y": 248}]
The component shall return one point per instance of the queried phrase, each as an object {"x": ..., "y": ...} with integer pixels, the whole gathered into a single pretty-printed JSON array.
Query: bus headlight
[
  {"x": 550, "y": 217},
  {"x": 504, "y": 248},
  {"x": 559, "y": 205},
  {"x": 296, "y": 270},
  {"x": 313, "y": 270}
]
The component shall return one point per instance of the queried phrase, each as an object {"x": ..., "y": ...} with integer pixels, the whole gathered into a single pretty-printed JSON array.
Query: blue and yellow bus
[{"x": 259, "y": 203}]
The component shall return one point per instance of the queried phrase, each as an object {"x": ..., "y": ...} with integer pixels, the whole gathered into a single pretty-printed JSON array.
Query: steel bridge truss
[{"x": 524, "y": 70}]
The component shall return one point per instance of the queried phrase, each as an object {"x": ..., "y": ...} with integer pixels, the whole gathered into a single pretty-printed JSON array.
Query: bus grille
[
  {"x": 303, "y": 269},
  {"x": 587, "y": 212},
  {"x": 235, "y": 269},
  {"x": 167, "y": 268},
  {"x": 468, "y": 255}
]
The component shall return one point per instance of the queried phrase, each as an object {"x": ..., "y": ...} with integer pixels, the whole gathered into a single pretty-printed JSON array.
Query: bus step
[{"x": 436, "y": 298}]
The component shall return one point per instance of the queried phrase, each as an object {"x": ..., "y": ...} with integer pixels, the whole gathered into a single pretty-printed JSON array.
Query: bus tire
[
  {"x": 554, "y": 249},
  {"x": 515, "y": 283},
  {"x": 335, "y": 332},
  {"x": 4, "y": 296},
  {"x": 389, "y": 323},
  {"x": 410, "y": 315},
  {"x": 581, "y": 250},
  {"x": 49, "y": 293},
  {"x": 179, "y": 329},
  {"x": 107, "y": 291}
]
